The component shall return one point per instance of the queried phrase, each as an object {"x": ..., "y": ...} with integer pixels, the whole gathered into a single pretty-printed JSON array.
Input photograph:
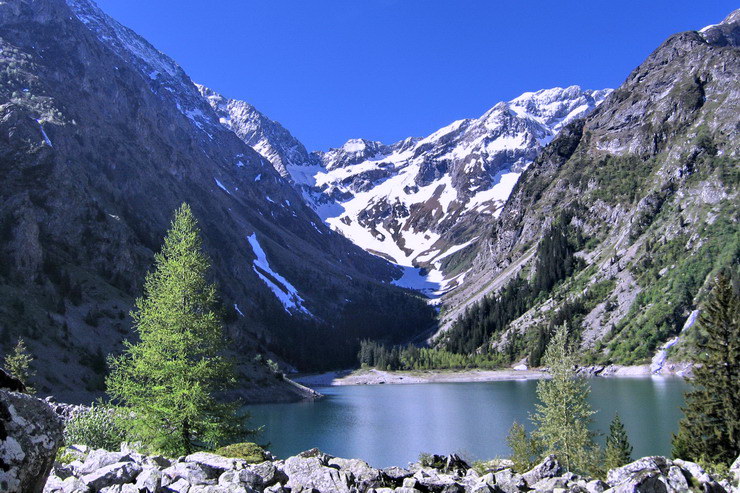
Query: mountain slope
[
  {"x": 417, "y": 202},
  {"x": 101, "y": 138},
  {"x": 643, "y": 192}
]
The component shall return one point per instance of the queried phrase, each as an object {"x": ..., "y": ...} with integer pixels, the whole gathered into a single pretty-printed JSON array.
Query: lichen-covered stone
[{"x": 30, "y": 434}]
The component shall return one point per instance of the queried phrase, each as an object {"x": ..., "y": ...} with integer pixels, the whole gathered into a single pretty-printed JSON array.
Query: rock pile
[
  {"x": 315, "y": 472},
  {"x": 65, "y": 411}
]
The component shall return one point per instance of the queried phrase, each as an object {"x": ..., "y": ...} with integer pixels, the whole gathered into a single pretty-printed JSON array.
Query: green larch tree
[
  {"x": 170, "y": 377},
  {"x": 618, "y": 450},
  {"x": 563, "y": 414},
  {"x": 525, "y": 450},
  {"x": 18, "y": 364},
  {"x": 710, "y": 429}
]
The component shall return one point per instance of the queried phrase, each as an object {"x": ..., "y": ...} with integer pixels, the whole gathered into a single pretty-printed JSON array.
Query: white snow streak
[
  {"x": 236, "y": 307},
  {"x": 43, "y": 133},
  {"x": 221, "y": 186},
  {"x": 280, "y": 287}
]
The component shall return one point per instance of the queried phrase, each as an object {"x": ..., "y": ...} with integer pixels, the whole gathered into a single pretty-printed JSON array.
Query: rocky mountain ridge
[
  {"x": 420, "y": 201},
  {"x": 101, "y": 138},
  {"x": 645, "y": 189}
]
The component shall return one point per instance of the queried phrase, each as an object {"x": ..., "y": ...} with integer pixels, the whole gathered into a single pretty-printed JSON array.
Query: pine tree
[
  {"x": 618, "y": 450},
  {"x": 710, "y": 430},
  {"x": 525, "y": 450},
  {"x": 563, "y": 416},
  {"x": 169, "y": 378},
  {"x": 18, "y": 364}
]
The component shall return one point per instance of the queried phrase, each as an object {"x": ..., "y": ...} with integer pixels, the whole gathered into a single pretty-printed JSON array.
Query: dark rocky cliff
[{"x": 101, "y": 138}]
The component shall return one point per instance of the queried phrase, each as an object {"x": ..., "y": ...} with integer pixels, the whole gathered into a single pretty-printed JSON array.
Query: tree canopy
[{"x": 170, "y": 378}]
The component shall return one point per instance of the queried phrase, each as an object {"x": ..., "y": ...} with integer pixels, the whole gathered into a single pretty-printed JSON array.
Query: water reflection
[{"x": 391, "y": 424}]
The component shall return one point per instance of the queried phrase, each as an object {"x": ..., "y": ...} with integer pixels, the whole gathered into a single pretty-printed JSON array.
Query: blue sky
[{"x": 331, "y": 70}]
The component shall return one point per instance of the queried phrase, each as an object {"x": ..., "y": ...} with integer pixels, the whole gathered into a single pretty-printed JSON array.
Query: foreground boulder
[
  {"x": 30, "y": 434},
  {"x": 658, "y": 474},
  {"x": 316, "y": 472}
]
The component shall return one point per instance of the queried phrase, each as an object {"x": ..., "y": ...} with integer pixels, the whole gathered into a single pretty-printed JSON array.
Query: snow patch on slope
[
  {"x": 221, "y": 186},
  {"x": 283, "y": 290},
  {"x": 43, "y": 134}
]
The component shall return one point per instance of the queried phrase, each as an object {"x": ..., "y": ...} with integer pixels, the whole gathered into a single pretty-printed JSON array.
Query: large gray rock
[
  {"x": 694, "y": 470},
  {"x": 97, "y": 459},
  {"x": 660, "y": 475},
  {"x": 429, "y": 479},
  {"x": 365, "y": 476},
  {"x": 243, "y": 477},
  {"x": 596, "y": 486},
  {"x": 149, "y": 479},
  {"x": 232, "y": 488},
  {"x": 120, "y": 488},
  {"x": 30, "y": 434},
  {"x": 638, "y": 470},
  {"x": 269, "y": 473},
  {"x": 216, "y": 464},
  {"x": 110, "y": 475},
  {"x": 179, "y": 486},
  {"x": 71, "y": 484},
  {"x": 191, "y": 472},
  {"x": 548, "y": 468},
  {"x": 395, "y": 475},
  {"x": 509, "y": 482},
  {"x": 305, "y": 473}
]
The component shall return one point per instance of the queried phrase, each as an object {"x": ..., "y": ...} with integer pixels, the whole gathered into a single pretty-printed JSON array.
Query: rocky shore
[
  {"x": 316, "y": 472},
  {"x": 373, "y": 376}
]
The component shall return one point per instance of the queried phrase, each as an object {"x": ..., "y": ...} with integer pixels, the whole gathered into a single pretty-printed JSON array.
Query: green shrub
[
  {"x": 425, "y": 459},
  {"x": 525, "y": 450},
  {"x": 250, "y": 452},
  {"x": 99, "y": 427},
  {"x": 64, "y": 456}
]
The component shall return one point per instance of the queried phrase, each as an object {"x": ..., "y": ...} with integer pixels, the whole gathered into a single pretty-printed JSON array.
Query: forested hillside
[{"x": 625, "y": 215}]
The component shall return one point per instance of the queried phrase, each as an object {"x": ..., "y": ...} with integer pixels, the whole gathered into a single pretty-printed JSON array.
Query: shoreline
[{"x": 372, "y": 376}]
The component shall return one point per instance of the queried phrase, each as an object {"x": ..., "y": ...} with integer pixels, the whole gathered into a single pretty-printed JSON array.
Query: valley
[
  {"x": 416, "y": 239},
  {"x": 192, "y": 301}
]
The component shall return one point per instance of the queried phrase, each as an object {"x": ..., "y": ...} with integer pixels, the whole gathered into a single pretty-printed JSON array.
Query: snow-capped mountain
[
  {"x": 421, "y": 200},
  {"x": 265, "y": 136}
]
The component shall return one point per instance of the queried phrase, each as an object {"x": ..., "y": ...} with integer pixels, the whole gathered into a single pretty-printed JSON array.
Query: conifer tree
[
  {"x": 563, "y": 414},
  {"x": 710, "y": 430},
  {"x": 18, "y": 364},
  {"x": 618, "y": 451},
  {"x": 525, "y": 450},
  {"x": 170, "y": 377}
]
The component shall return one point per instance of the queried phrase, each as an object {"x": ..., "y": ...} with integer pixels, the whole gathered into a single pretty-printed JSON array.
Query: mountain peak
[
  {"x": 268, "y": 137},
  {"x": 558, "y": 106},
  {"x": 726, "y": 33}
]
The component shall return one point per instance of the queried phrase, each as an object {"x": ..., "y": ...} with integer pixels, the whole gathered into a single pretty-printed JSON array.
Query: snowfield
[{"x": 411, "y": 202}]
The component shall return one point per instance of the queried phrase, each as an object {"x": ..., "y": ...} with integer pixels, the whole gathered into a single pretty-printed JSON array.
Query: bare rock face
[{"x": 30, "y": 434}]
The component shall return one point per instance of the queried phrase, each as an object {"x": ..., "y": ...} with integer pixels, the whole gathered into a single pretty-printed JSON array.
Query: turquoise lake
[{"x": 389, "y": 425}]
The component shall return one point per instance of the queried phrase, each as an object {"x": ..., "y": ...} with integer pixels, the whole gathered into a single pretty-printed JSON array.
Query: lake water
[{"x": 390, "y": 425}]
